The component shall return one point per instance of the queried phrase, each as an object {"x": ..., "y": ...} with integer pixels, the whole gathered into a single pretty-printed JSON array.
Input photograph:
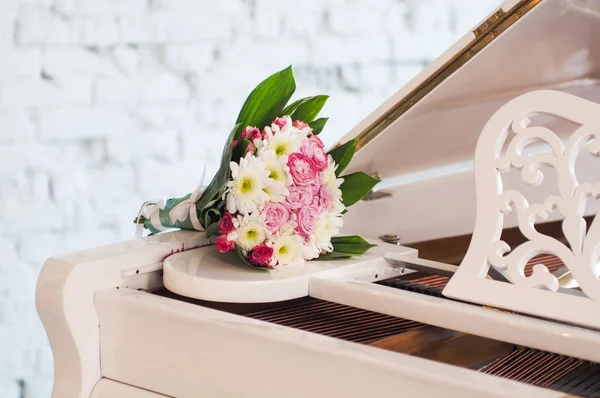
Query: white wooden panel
[
  {"x": 185, "y": 350},
  {"x": 65, "y": 301}
]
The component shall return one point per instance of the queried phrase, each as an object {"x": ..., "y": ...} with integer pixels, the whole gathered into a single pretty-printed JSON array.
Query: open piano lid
[
  {"x": 422, "y": 140},
  {"x": 504, "y": 122}
]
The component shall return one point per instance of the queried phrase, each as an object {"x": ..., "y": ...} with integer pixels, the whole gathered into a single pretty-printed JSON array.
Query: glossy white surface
[
  {"x": 206, "y": 274},
  {"x": 426, "y": 153},
  {"x": 65, "y": 301},
  {"x": 187, "y": 351},
  {"x": 111, "y": 389},
  {"x": 499, "y": 153}
]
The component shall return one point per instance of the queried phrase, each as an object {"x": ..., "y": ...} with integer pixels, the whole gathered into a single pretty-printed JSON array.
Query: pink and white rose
[
  {"x": 299, "y": 197},
  {"x": 276, "y": 215},
  {"x": 299, "y": 124},
  {"x": 302, "y": 169},
  {"x": 280, "y": 122},
  {"x": 250, "y": 133},
  {"x": 326, "y": 198},
  {"x": 307, "y": 219}
]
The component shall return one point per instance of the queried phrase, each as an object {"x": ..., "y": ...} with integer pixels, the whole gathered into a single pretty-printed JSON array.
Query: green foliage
[
  {"x": 212, "y": 218},
  {"x": 356, "y": 186},
  {"x": 342, "y": 155},
  {"x": 219, "y": 181},
  {"x": 346, "y": 247},
  {"x": 308, "y": 109},
  {"x": 267, "y": 100},
  {"x": 239, "y": 151},
  {"x": 318, "y": 125}
]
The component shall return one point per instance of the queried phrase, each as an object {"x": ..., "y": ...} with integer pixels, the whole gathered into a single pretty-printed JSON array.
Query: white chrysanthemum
[
  {"x": 288, "y": 249},
  {"x": 328, "y": 225},
  {"x": 276, "y": 191},
  {"x": 245, "y": 192},
  {"x": 311, "y": 250},
  {"x": 329, "y": 178},
  {"x": 277, "y": 167},
  {"x": 250, "y": 232},
  {"x": 286, "y": 141}
]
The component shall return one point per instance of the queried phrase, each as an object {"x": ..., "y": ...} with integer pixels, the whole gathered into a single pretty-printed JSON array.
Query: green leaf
[
  {"x": 212, "y": 218},
  {"x": 219, "y": 181},
  {"x": 342, "y": 155},
  {"x": 333, "y": 255},
  {"x": 348, "y": 240},
  {"x": 350, "y": 244},
  {"x": 212, "y": 229},
  {"x": 267, "y": 100},
  {"x": 356, "y": 186},
  {"x": 346, "y": 247},
  {"x": 308, "y": 109},
  {"x": 318, "y": 125},
  {"x": 240, "y": 150},
  {"x": 292, "y": 107}
]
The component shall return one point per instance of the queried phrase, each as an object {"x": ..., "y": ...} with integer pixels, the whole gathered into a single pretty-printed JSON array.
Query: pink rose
[
  {"x": 302, "y": 168},
  {"x": 279, "y": 122},
  {"x": 299, "y": 197},
  {"x": 224, "y": 245},
  {"x": 234, "y": 143},
  {"x": 249, "y": 132},
  {"x": 251, "y": 148},
  {"x": 319, "y": 156},
  {"x": 315, "y": 185},
  {"x": 299, "y": 124},
  {"x": 261, "y": 255},
  {"x": 226, "y": 225},
  {"x": 317, "y": 140},
  {"x": 313, "y": 148},
  {"x": 276, "y": 215},
  {"x": 257, "y": 135},
  {"x": 307, "y": 221},
  {"x": 306, "y": 148},
  {"x": 326, "y": 198}
]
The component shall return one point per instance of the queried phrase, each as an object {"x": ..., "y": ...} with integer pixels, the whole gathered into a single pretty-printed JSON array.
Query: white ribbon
[
  {"x": 187, "y": 208},
  {"x": 149, "y": 210}
]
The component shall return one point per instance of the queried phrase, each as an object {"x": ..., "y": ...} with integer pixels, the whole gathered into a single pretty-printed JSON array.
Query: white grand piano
[{"x": 485, "y": 281}]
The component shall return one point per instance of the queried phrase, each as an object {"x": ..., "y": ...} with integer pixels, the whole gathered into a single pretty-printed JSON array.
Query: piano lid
[{"x": 435, "y": 120}]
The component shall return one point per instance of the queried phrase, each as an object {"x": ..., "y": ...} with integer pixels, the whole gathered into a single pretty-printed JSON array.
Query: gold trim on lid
[{"x": 485, "y": 33}]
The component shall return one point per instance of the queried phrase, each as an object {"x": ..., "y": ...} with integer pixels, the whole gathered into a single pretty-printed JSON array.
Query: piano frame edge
[
  {"x": 226, "y": 354},
  {"x": 65, "y": 293}
]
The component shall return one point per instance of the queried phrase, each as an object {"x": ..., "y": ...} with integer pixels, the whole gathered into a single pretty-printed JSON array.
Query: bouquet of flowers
[{"x": 278, "y": 198}]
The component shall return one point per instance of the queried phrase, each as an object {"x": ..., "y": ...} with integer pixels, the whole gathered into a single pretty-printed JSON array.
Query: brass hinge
[{"x": 489, "y": 23}]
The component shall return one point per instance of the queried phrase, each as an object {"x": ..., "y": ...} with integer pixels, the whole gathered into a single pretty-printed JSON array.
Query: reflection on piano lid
[{"x": 454, "y": 150}]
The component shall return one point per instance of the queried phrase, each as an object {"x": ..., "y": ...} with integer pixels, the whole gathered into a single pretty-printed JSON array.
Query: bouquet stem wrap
[{"x": 159, "y": 215}]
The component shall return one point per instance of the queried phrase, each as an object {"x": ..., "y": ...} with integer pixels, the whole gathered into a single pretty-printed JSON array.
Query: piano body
[{"x": 439, "y": 307}]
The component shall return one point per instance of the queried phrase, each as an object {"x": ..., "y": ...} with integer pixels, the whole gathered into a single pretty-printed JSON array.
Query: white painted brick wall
[{"x": 107, "y": 103}]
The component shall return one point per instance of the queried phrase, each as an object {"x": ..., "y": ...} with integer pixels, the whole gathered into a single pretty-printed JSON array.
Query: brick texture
[{"x": 107, "y": 103}]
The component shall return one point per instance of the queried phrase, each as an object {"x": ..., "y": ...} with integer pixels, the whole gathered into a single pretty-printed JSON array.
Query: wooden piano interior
[{"x": 544, "y": 369}]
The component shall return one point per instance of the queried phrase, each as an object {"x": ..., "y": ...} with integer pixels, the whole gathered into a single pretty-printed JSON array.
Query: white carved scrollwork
[{"x": 508, "y": 143}]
